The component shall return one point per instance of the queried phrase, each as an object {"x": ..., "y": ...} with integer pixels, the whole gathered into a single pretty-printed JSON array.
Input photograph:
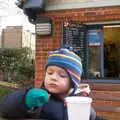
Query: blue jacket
[{"x": 13, "y": 106}]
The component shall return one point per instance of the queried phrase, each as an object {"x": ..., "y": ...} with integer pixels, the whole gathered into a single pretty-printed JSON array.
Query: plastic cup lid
[{"x": 78, "y": 99}]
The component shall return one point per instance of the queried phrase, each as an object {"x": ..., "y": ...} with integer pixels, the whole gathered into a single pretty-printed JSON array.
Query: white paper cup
[{"x": 78, "y": 107}]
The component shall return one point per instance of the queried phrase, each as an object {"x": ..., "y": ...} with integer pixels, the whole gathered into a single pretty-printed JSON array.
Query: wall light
[{"x": 43, "y": 26}]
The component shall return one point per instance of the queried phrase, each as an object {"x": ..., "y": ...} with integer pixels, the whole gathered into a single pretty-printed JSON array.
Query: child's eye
[
  {"x": 63, "y": 75},
  {"x": 49, "y": 72}
]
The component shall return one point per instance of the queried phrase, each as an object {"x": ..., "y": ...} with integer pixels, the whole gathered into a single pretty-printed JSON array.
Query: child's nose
[{"x": 54, "y": 77}]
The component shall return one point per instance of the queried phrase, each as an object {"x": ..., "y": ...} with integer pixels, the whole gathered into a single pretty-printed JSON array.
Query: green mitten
[{"x": 36, "y": 97}]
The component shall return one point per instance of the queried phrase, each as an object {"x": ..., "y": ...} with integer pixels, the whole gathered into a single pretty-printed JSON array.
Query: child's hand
[
  {"x": 83, "y": 90},
  {"x": 36, "y": 97}
]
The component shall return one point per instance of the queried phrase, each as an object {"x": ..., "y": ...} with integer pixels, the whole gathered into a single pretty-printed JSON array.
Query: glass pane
[
  {"x": 112, "y": 52},
  {"x": 94, "y": 53},
  {"x": 94, "y": 62}
]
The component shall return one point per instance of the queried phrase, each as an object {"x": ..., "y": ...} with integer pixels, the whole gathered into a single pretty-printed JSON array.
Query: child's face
[{"x": 57, "y": 80}]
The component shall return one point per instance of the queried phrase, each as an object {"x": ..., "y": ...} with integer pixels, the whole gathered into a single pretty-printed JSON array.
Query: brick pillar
[{"x": 44, "y": 44}]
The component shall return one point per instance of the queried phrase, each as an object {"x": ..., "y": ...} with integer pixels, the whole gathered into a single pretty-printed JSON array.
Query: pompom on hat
[{"x": 65, "y": 58}]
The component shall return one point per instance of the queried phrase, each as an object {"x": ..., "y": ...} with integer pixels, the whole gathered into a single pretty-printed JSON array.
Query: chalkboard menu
[{"x": 74, "y": 35}]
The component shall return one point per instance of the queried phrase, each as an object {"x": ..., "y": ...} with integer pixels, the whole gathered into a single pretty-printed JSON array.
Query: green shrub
[{"x": 16, "y": 64}]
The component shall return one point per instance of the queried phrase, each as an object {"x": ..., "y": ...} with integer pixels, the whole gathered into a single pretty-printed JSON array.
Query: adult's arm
[
  {"x": 92, "y": 114},
  {"x": 13, "y": 105},
  {"x": 23, "y": 103}
]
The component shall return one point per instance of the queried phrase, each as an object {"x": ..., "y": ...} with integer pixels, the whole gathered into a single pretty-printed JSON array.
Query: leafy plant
[{"x": 16, "y": 64}]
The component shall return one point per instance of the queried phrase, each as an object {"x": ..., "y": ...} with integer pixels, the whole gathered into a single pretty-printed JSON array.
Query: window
[
  {"x": 104, "y": 58},
  {"x": 98, "y": 46}
]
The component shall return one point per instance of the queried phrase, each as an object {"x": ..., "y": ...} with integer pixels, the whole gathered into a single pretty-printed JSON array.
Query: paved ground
[{"x": 8, "y": 84}]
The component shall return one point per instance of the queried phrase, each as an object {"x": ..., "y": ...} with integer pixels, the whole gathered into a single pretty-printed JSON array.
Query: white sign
[{"x": 43, "y": 28}]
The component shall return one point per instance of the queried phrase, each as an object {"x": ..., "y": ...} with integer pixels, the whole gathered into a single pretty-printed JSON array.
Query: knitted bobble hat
[{"x": 68, "y": 60}]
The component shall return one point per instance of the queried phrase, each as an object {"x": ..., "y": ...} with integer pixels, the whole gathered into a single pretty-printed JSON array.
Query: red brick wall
[{"x": 48, "y": 43}]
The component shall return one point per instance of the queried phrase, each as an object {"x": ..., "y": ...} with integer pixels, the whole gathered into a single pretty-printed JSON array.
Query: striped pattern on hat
[{"x": 69, "y": 61}]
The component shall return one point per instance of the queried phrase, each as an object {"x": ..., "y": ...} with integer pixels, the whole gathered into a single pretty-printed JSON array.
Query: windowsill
[{"x": 102, "y": 81}]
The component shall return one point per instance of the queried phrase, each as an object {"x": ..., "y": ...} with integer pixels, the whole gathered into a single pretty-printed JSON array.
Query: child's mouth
[{"x": 52, "y": 85}]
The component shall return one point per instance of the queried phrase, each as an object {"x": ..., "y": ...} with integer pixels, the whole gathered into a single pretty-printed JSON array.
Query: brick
[
  {"x": 109, "y": 115},
  {"x": 105, "y": 86},
  {"x": 109, "y": 106},
  {"x": 106, "y": 95}
]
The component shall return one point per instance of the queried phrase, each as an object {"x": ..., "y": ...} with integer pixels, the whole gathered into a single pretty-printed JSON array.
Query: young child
[{"x": 63, "y": 75}]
